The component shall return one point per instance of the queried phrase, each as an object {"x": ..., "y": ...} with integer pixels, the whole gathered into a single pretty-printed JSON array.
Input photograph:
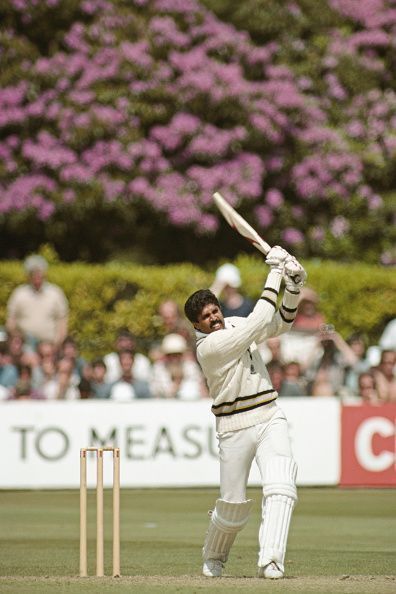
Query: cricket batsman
[{"x": 249, "y": 423}]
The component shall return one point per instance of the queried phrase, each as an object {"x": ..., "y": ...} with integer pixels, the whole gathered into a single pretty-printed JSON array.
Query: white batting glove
[
  {"x": 294, "y": 274},
  {"x": 276, "y": 258}
]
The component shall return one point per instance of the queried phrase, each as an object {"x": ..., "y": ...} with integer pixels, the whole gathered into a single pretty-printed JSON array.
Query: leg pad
[
  {"x": 227, "y": 519},
  {"x": 279, "y": 498}
]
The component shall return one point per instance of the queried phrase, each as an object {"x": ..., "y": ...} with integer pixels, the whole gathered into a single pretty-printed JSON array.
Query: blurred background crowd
[{"x": 39, "y": 359}]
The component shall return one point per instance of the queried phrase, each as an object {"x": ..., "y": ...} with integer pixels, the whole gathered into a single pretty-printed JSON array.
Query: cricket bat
[{"x": 237, "y": 222}]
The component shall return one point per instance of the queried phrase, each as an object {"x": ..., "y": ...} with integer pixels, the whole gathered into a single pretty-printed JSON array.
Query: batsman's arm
[
  {"x": 228, "y": 346},
  {"x": 283, "y": 319}
]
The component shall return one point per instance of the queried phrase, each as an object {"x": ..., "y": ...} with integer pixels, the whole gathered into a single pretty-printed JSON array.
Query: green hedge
[{"x": 104, "y": 298}]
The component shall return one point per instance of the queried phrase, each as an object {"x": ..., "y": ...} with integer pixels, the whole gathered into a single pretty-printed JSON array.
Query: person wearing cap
[
  {"x": 38, "y": 309},
  {"x": 226, "y": 287},
  {"x": 249, "y": 423},
  {"x": 176, "y": 375}
]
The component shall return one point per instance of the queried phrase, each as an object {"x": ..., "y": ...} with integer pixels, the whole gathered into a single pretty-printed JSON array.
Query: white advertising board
[{"x": 163, "y": 443}]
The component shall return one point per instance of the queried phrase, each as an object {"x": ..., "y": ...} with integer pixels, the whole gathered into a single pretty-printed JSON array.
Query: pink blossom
[
  {"x": 69, "y": 195},
  {"x": 166, "y": 103},
  {"x": 317, "y": 233},
  {"x": 274, "y": 198},
  {"x": 374, "y": 202},
  {"x": 264, "y": 216},
  {"x": 297, "y": 212},
  {"x": 292, "y": 236},
  {"x": 208, "y": 224},
  {"x": 339, "y": 226},
  {"x": 113, "y": 188},
  {"x": 137, "y": 53},
  {"x": 76, "y": 172},
  {"x": 165, "y": 31}
]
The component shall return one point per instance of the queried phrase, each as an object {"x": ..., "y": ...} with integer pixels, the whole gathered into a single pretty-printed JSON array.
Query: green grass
[{"x": 340, "y": 541}]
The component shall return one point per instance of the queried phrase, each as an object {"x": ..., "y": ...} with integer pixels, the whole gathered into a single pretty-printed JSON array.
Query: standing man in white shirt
[
  {"x": 38, "y": 309},
  {"x": 249, "y": 423}
]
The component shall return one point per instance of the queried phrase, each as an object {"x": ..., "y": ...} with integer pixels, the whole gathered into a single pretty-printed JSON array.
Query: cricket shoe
[
  {"x": 270, "y": 571},
  {"x": 212, "y": 568}
]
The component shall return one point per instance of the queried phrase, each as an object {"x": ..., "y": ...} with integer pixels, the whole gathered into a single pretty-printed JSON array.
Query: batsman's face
[{"x": 210, "y": 319}]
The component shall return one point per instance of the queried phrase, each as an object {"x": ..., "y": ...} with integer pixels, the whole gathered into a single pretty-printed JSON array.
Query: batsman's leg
[
  {"x": 227, "y": 519},
  {"x": 236, "y": 449},
  {"x": 278, "y": 471}
]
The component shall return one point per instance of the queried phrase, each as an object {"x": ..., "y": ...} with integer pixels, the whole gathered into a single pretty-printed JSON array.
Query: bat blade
[{"x": 237, "y": 222}]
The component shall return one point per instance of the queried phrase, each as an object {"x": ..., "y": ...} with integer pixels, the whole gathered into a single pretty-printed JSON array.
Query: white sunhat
[
  {"x": 228, "y": 274},
  {"x": 173, "y": 343},
  {"x": 122, "y": 392}
]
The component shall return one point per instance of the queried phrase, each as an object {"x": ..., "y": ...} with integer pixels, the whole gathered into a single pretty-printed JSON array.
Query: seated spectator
[
  {"x": 141, "y": 366},
  {"x": 155, "y": 353},
  {"x": 100, "y": 388},
  {"x": 367, "y": 389},
  {"x": 293, "y": 383},
  {"x": 301, "y": 343},
  {"x": 23, "y": 389},
  {"x": 308, "y": 317},
  {"x": 64, "y": 385},
  {"x": 128, "y": 386},
  {"x": 388, "y": 337},
  {"x": 357, "y": 344},
  {"x": 384, "y": 375},
  {"x": 271, "y": 350},
  {"x": 327, "y": 371},
  {"x": 276, "y": 373},
  {"x": 387, "y": 342},
  {"x": 226, "y": 287},
  {"x": 171, "y": 321},
  {"x": 70, "y": 350},
  {"x": 44, "y": 376},
  {"x": 321, "y": 385},
  {"x": 175, "y": 375},
  {"x": 8, "y": 372},
  {"x": 16, "y": 347},
  {"x": 44, "y": 366},
  {"x": 85, "y": 389},
  {"x": 38, "y": 309}
]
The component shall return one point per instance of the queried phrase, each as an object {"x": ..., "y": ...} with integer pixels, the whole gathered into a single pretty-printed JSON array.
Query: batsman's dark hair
[{"x": 197, "y": 301}]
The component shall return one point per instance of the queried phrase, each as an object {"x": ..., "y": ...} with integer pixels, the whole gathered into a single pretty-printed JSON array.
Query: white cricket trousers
[{"x": 239, "y": 448}]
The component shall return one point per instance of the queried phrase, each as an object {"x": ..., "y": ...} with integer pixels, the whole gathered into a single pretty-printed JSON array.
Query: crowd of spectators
[{"x": 39, "y": 360}]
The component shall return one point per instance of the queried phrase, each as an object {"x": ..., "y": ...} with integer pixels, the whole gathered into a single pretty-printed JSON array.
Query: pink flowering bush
[{"x": 118, "y": 120}]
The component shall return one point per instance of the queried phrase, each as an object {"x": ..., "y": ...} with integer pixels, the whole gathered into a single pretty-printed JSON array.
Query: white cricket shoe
[
  {"x": 270, "y": 571},
  {"x": 212, "y": 568}
]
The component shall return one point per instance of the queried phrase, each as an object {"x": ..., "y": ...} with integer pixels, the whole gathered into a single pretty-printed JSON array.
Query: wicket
[{"x": 99, "y": 511}]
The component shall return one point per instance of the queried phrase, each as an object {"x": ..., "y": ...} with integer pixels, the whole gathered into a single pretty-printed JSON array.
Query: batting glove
[
  {"x": 276, "y": 258},
  {"x": 294, "y": 274}
]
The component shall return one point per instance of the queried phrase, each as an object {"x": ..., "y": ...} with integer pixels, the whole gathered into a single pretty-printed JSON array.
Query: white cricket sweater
[{"x": 236, "y": 375}]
